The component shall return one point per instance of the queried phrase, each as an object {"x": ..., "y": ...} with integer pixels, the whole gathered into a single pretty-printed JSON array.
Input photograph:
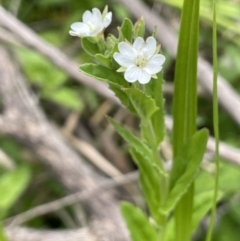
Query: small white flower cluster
[
  {"x": 93, "y": 23},
  {"x": 140, "y": 61}
]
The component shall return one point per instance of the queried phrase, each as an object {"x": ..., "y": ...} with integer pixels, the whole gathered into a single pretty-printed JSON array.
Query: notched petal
[
  {"x": 138, "y": 43},
  {"x": 87, "y": 16},
  {"x": 150, "y": 47},
  {"x": 127, "y": 49}
]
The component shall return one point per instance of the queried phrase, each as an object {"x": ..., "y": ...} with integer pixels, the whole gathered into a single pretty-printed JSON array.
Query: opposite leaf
[
  {"x": 137, "y": 223},
  {"x": 185, "y": 167}
]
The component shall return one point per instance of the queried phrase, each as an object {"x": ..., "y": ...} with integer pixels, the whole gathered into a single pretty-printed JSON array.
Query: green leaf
[
  {"x": 12, "y": 184},
  {"x": 122, "y": 96},
  {"x": 202, "y": 204},
  {"x": 154, "y": 90},
  {"x": 185, "y": 167},
  {"x": 89, "y": 46},
  {"x": 150, "y": 183},
  {"x": 39, "y": 70},
  {"x": 134, "y": 141},
  {"x": 103, "y": 60},
  {"x": 139, "y": 28},
  {"x": 127, "y": 29},
  {"x": 112, "y": 44},
  {"x": 144, "y": 105},
  {"x": 66, "y": 97},
  {"x": 103, "y": 73},
  {"x": 137, "y": 223},
  {"x": 185, "y": 105}
]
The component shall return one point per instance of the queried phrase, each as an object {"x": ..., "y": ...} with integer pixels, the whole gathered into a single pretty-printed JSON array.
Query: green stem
[
  {"x": 185, "y": 106},
  {"x": 183, "y": 215},
  {"x": 101, "y": 43},
  {"x": 215, "y": 123},
  {"x": 163, "y": 178}
]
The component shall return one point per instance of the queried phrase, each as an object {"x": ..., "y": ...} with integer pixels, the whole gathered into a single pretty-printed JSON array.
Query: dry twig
[{"x": 69, "y": 200}]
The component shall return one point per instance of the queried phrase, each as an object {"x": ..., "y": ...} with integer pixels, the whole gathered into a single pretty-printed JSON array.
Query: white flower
[
  {"x": 140, "y": 61},
  {"x": 93, "y": 23}
]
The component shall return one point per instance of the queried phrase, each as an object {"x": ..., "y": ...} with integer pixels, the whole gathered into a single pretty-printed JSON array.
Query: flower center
[
  {"x": 141, "y": 61},
  {"x": 91, "y": 26}
]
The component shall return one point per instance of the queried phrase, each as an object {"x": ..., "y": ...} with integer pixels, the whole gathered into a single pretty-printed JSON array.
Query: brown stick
[{"x": 27, "y": 234}]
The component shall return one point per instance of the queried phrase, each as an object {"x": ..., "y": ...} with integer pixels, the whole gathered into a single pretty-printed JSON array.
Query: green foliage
[
  {"x": 12, "y": 184},
  {"x": 185, "y": 109},
  {"x": 185, "y": 166},
  {"x": 228, "y": 228},
  {"x": 145, "y": 106},
  {"x": 103, "y": 73},
  {"x": 103, "y": 60},
  {"x": 154, "y": 90},
  {"x": 139, "y": 28},
  {"x": 138, "y": 224},
  {"x": 2, "y": 235},
  {"x": 126, "y": 30},
  {"x": 202, "y": 204},
  {"x": 148, "y": 104},
  {"x": 135, "y": 142},
  {"x": 150, "y": 183},
  {"x": 39, "y": 70},
  {"x": 50, "y": 79},
  {"x": 228, "y": 12},
  {"x": 89, "y": 46},
  {"x": 66, "y": 97},
  {"x": 229, "y": 64},
  {"x": 122, "y": 96}
]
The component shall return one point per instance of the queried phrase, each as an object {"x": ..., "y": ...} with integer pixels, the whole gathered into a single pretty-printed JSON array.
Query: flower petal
[
  {"x": 127, "y": 49},
  {"x": 123, "y": 60},
  {"x": 150, "y": 47},
  {"x": 143, "y": 77},
  {"x": 132, "y": 73},
  {"x": 107, "y": 19},
  {"x": 154, "y": 65},
  {"x": 97, "y": 16},
  {"x": 73, "y": 33},
  {"x": 87, "y": 16},
  {"x": 80, "y": 29},
  {"x": 138, "y": 43}
]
